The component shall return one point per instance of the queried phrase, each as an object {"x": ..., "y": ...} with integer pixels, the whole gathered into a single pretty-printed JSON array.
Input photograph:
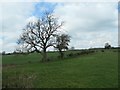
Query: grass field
[{"x": 96, "y": 70}]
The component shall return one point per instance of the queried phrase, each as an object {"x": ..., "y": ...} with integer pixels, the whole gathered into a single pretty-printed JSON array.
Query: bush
[
  {"x": 83, "y": 52},
  {"x": 78, "y": 53},
  {"x": 102, "y": 50},
  {"x": 70, "y": 55},
  {"x": 86, "y": 52},
  {"x": 9, "y": 54}
]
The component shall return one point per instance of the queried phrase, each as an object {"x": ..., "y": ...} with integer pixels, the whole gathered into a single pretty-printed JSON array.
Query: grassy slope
[{"x": 97, "y": 70}]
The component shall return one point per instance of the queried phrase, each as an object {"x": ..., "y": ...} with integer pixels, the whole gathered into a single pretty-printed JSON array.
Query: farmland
[{"x": 94, "y": 70}]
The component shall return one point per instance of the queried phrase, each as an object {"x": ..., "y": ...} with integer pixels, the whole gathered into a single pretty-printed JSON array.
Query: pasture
[{"x": 94, "y": 70}]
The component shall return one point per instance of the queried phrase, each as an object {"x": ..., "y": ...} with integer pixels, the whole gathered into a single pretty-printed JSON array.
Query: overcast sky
[{"x": 90, "y": 24}]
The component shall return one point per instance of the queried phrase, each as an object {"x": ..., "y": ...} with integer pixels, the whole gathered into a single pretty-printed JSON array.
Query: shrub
[
  {"x": 70, "y": 55},
  {"x": 78, "y": 53},
  {"x": 102, "y": 50}
]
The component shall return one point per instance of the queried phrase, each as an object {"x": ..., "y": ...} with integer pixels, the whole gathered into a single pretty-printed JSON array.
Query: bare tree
[
  {"x": 62, "y": 42},
  {"x": 40, "y": 35}
]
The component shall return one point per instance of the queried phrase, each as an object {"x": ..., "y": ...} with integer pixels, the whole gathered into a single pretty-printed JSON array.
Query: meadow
[{"x": 94, "y": 70}]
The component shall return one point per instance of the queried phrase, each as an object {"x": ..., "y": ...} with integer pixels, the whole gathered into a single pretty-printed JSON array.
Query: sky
[{"x": 90, "y": 24}]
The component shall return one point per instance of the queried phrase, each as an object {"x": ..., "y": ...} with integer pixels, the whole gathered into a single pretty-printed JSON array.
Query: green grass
[{"x": 97, "y": 70}]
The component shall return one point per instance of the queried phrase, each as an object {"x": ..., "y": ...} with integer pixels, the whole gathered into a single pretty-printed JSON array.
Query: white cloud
[
  {"x": 14, "y": 17},
  {"x": 90, "y": 24}
]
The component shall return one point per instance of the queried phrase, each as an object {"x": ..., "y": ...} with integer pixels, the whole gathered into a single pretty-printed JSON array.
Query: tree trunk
[
  {"x": 61, "y": 54},
  {"x": 44, "y": 55}
]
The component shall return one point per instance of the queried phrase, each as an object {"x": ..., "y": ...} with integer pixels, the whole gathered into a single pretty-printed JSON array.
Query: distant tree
[
  {"x": 107, "y": 46},
  {"x": 14, "y": 52},
  {"x": 118, "y": 46},
  {"x": 62, "y": 42},
  {"x": 40, "y": 34},
  {"x": 3, "y": 53},
  {"x": 72, "y": 48}
]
